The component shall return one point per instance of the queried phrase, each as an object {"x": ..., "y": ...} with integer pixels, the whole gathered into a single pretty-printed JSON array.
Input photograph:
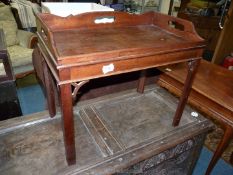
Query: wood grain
[{"x": 211, "y": 94}]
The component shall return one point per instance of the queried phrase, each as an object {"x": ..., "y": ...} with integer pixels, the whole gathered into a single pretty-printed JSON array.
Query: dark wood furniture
[
  {"x": 9, "y": 102},
  {"x": 83, "y": 47},
  {"x": 224, "y": 46},
  {"x": 218, "y": 41},
  {"x": 120, "y": 133},
  {"x": 206, "y": 26},
  {"x": 212, "y": 94},
  {"x": 6, "y": 73}
]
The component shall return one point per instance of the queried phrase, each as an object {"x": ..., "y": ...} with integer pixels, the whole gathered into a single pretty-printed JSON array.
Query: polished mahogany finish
[
  {"x": 212, "y": 93},
  {"x": 99, "y": 44}
]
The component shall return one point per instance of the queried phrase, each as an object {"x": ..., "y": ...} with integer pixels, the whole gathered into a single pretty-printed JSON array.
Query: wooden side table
[
  {"x": 79, "y": 48},
  {"x": 212, "y": 94},
  {"x": 9, "y": 102}
]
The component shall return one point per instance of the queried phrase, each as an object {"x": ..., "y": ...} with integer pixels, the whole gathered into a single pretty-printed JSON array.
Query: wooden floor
[{"x": 112, "y": 132}]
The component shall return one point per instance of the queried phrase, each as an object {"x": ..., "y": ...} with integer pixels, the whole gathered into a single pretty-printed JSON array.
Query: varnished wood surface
[
  {"x": 48, "y": 86},
  {"x": 128, "y": 36},
  {"x": 107, "y": 139},
  {"x": 121, "y": 39},
  {"x": 77, "y": 49},
  {"x": 202, "y": 103},
  {"x": 211, "y": 81},
  {"x": 68, "y": 123},
  {"x": 211, "y": 94},
  {"x": 192, "y": 70}
]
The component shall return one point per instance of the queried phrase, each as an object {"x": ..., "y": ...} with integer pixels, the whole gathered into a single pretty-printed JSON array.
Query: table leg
[
  {"x": 192, "y": 69},
  {"x": 49, "y": 90},
  {"x": 141, "y": 82},
  {"x": 68, "y": 122},
  {"x": 228, "y": 135}
]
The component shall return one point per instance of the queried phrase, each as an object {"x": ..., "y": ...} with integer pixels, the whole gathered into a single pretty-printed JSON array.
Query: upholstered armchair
[{"x": 19, "y": 42}]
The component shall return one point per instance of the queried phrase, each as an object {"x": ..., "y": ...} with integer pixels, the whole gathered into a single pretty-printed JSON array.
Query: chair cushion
[
  {"x": 20, "y": 56},
  {"x": 10, "y": 31},
  {"x": 2, "y": 4},
  {"x": 6, "y": 13},
  {"x": 8, "y": 24}
]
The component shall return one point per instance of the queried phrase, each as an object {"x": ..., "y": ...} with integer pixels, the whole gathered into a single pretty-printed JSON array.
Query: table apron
[{"x": 92, "y": 71}]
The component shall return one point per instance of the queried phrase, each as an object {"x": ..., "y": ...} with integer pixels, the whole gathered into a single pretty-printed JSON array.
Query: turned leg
[
  {"x": 141, "y": 82},
  {"x": 49, "y": 90},
  {"x": 68, "y": 122},
  {"x": 228, "y": 134},
  {"x": 192, "y": 69}
]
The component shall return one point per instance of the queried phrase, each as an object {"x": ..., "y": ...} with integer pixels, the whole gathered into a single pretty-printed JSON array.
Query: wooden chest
[{"x": 125, "y": 132}]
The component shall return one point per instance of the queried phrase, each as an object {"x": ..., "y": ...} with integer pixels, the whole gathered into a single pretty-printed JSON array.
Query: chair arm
[{"x": 26, "y": 39}]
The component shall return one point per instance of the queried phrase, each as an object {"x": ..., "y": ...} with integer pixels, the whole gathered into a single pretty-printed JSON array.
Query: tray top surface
[
  {"x": 119, "y": 39},
  {"x": 100, "y": 37}
]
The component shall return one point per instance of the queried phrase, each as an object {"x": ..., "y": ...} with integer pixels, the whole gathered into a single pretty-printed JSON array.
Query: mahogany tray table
[{"x": 87, "y": 46}]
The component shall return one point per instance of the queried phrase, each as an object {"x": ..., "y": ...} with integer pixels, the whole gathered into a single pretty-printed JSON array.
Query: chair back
[{"x": 8, "y": 24}]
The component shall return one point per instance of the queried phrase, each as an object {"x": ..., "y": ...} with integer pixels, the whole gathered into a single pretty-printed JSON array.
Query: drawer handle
[{"x": 103, "y": 20}]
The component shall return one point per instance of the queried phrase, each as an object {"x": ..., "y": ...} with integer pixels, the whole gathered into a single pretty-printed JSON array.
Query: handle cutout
[
  {"x": 104, "y": 20},
  {"x": 176, "y": 25}
]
